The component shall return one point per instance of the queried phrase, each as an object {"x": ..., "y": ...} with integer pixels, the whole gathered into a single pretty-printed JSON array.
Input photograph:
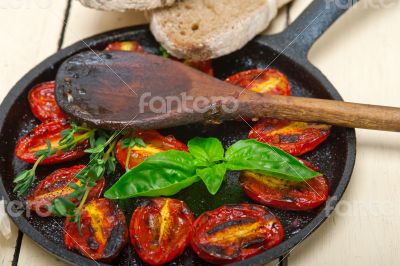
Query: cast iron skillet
[{"x": 286, "y": 51}]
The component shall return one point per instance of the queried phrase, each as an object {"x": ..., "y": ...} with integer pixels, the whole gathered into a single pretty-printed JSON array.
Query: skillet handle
[{"x": 299, "y": 36}]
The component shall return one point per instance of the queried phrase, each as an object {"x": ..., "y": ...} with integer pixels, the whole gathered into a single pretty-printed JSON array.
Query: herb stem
[
  {"x": 38, "y": 161},
  {"x": 84, "y": 198},
  {"x": 111, "y": 139},
  {"x": 128, "y": 158},
  {"x": 106, "y": 156},
  {"x": 101, "y": 161},
  {"x": 109, "y": 150},
  {"x": 24, "y": 180},
  {"x": 83, "y": 128},
  {"x": 77, "y": 139}
]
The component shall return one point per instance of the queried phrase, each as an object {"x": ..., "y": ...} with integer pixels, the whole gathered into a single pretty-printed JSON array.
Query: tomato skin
[
  {"x": 296, "y": 138},
  {"x": 203, "y": 66},
  {"x": 27, "y": 146},
  {"x": 269, "y": 81},
  {"x": 104, "y": 232},
  {"x": 155, "y": 142},
  {"x": 128, "y": 46},
  {"x": 134, "y": 46},
  {"x": 43, "y": 103},
  {"x": 235, "y": 232},
  {"x": 56, "y": 185},
  {"x": 161, "y": 229},
  {"x": 281, "y": 194}
]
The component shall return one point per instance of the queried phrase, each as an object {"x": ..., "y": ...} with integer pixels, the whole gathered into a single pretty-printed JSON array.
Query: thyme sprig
[
  {"x": 130, "y": 142},
  {"x": 102, "y": 161},
  {"x": 68, "y": 135},
  {"x": 70, "y": 138},
  {"x": 25, "y": 179}
]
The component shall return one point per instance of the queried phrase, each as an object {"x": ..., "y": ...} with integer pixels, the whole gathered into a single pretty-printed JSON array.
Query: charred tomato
[
  {"x": 128, "y": 46},
  {"x": 235, "y": 232},
  {"x": 161, "y": 229},
  {"x": 296, "y": 138},
  {"x": 268, "y": 81},
  {"x": 203, "y": 66},
  {"x": 155, "y": 142},
  {"x": 43, "y": 103},
  {"x": 36, "y": 140},
  {"x": 134, "y": 46},
  {"x": 57, "y": 185},
  {"x": 282, "y": 194},
  {"x": 103, "y": 234}
]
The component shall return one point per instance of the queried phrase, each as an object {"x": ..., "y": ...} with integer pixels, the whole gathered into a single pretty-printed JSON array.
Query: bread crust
[
  {"x": 123, "y": 5},
  {"x": 229, "y": 36}
]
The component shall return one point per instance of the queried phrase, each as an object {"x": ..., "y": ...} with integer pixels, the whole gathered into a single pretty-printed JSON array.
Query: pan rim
[{"x": 260, "y": 259}]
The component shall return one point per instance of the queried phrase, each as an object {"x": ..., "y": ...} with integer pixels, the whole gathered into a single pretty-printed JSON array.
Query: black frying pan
[{"x": 286, "y": 52}]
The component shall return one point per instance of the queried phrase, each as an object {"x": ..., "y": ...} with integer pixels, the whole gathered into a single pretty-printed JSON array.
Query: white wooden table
[{"x": 360, "y": 54}]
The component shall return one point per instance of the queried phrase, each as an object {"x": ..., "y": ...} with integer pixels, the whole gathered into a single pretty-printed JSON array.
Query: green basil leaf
[
  {"x": 206, "y": 149},
  {"x": 266, "y": 159},
  {"x": 212, "y": 177},
  {"x": 163, "y": 174}
]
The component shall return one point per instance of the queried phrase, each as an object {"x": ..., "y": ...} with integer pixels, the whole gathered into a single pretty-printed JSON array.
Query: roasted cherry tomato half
[
  {"x": 268, "y": 81},
  {"x": 161, "y": 229},
  {"x": 282, "y": 194},
  {"x": 104, "y": 232},
  {"x": 235, "y": 232},
  {"x": 203, "y": 66},
  {"x": 43, "y": 103},
  {"x": 57, "y": 185},
  {"x": 134, "y": 46},
  {"x": 35, "y": 141},
  {"x": 155, "y": 142},
  {"x": 295, "y": 138},
  {"x": 128, "y": 46}
]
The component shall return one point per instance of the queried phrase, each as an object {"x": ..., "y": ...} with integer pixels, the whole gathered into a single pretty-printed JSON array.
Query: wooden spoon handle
[{"x": 318, "y": 110}]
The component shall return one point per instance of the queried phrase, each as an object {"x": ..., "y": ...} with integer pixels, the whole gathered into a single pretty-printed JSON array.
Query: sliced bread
[
  {"x": 122, "y": 5},
  {"x": 204, "y": 29}
]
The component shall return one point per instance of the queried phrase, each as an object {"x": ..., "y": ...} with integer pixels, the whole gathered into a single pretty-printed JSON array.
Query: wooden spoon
[{"x": 140, "y": 91}]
